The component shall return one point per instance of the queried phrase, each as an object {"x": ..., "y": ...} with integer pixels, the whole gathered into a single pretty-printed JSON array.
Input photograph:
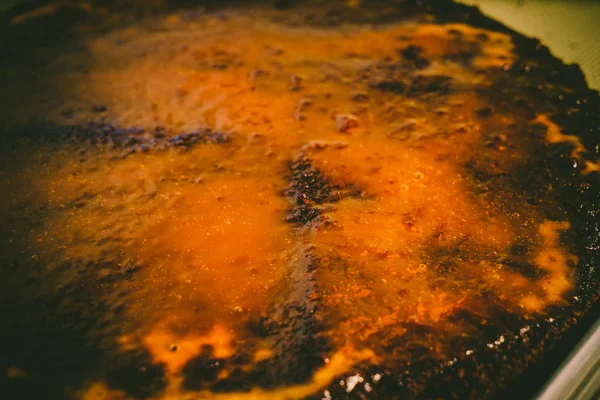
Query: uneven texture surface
[{"x": 289, "y": 200}]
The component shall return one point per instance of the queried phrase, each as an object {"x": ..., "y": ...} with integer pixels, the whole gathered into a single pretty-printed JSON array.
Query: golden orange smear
[
  {"x": 554, "y": 134},
  {"x": 205, "y": 228},
  {"x": 99, "y": 391},
  {"x": 339, "y": 363},
  {"x": 182, "y": 89},
  {"x": 262, "y": 354},
  {"x": 175, "y": 352},
  {"x": 555, "y": 261},
  {"x": 590, "y": 167}
]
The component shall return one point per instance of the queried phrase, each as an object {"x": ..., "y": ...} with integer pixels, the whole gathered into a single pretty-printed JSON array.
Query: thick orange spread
[{"x": 203, "y": 231}]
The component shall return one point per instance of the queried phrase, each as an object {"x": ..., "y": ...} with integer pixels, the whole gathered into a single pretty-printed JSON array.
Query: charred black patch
[
  {"x": 295, "y": 330},
  {"x": 415, "y": 55},
  {"x": 308, "y": 185},
  {"x": 56, "y": 341},
  {"x": 445, "y": 259},
  {"x": 122, "y": 141},
  {"x": 99, "y": 108},
  {"x": 202, "y": 369},
  {"x": 423, "y": 85},
  {"x": 464, "y": 53},
  {"x": 302, "y": 214},
  {"x": 482, "y": 37},
  {"x": 293, "y": 325},
  {"x": 391, "y": 86},
  {"x": 411, "y": 52},
  {"x": 524, "y": 267},
  {"x": 444, "y": 255},
  {"x": 282, "y": 4},
  {"x": 203, "y": 372},
  {"x": 137, "y": 375},
  {"x": 484, "y": 112},
  {"x": 484, "y": 169},
  {"x": 236, "y": 382},
  {"x": 308, "y": 188}
]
